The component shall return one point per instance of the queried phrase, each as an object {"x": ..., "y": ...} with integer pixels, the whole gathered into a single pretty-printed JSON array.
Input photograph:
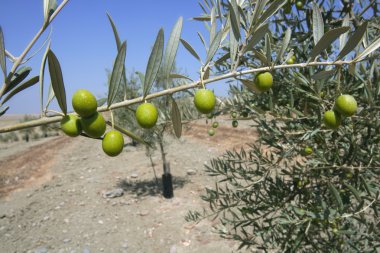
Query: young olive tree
[{"x": 311, "y": 184}]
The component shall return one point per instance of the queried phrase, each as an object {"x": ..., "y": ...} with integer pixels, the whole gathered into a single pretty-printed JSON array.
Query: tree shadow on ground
[{"x": 149, "y": 187}]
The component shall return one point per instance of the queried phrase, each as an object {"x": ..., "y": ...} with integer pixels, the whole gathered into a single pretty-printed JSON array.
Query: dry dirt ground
[{"x": 51, "y": 195}]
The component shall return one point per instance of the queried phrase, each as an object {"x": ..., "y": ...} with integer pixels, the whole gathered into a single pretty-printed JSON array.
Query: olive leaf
[
  {"x": 318, "y": 25},
  {"x": 234, "y": 47},
  {"x": 261, "y": 57},
  {"x": 336, "y": 195},
  {"x": 117, "y": 74},
  {"x": 190, "y": 49},
  {"x": 21, "y": 87},
  {"x": 354, "y": 40},
  {"x": 343, "y": 37},
  {"x": 115, "y": 33},
  {"x": 371, "y": 48},
  {"x": 101, "y": 101},
  {"x": 354, "y": 192},
  {"x": 202, "y": 40},
  {"x": 49, "y": 7},
  {"x": 51, "y": 95},
  {"x": 323, "y": 74},
  {"x": 129, "y": 134},
  {"x": 42, "y": 76},
  {"x": 268, "y": 48},
  {"x": 2, "y": 53},
  {"x": 235, "y": 19},
  {"x": 176, "y": 119},
  {"x": 213, "y": 24},
  {"x": 256, "y": 37},
  {"x": 179, "y": 76},
  {"x": 172, "y": 47},
  {"x": 271, "y": 10},
  {"x": 57, "y": 81},
  {"x": 213, "y": 47},
  {"x": 284, "y": 45},
  {"x": 3, "y": 110},
  {"x": 259, "y": 7},
  {"x": 18, "y": 77},
  {"x": 326, "y": 40},
  {"x": 154, "y": 62}
]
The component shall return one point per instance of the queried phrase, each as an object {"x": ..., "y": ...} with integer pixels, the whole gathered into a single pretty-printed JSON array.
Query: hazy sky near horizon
[{"x": 83, "y": 41}]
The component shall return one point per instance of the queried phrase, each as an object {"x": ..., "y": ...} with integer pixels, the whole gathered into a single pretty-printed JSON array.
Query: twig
[{"x": 44, "y": 121}]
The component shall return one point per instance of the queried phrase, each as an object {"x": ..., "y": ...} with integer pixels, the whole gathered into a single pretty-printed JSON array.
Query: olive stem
[
  {"x": 45, "y": 121},
  {"x": 112, "y": 120}
]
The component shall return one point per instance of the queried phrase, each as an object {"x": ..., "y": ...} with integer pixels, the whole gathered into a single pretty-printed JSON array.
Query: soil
[{"x": 53, "y": 195}]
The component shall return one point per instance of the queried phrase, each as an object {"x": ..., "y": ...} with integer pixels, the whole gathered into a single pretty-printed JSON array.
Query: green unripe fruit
[
  {"x": 234, "y": 115},
  {"x": 70, "y": 125},
  {"x": 210, "y": 116},
  {"x": 299, "y": 5},
  {"x": 211, "y": 132},
  {"x": 290, "y": 61},
  {"x": 346, "y": 105},
  {"x": 204, "y": 101},
  {"x": 113, "y": 143},
  {"x": 146, "y": 115},
  {"x": 264, "y": 81},
  {"x": 332, "y": 119},
  {"x": 293, "y": 57},
  {"x": 235, "y": 123},
  {"x": 94, "y": 126},
  {"x": 84, "y": 103},
  {"x": 307, "y": 151},
  {"x": 215, "y": 124}
]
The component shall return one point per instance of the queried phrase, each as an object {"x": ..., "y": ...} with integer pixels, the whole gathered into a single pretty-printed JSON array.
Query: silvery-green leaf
[
  {"x": 3, "y": 110},
  {"x": 21, "y": 87},
  {"x": 100, "y": 102},
  {"x": 203, "y": 8},
  {"x": 213, "y": 47},
  {"x": 129, "y": 134},
  {"x": 154, "y": 62},
  {"x": 343, "y": 37},
  {"x": 259, "y": 7},
  {"x": 141, "y": 77},
  {"x": 222, "y": 59},
  {"x": 250, "y": 85},
  {"x": 234, "y": 46},
  {"x": 57, "y": 81},
  {"x": 336, "y": 195},
  {"x": 179, "y": 76},
  {"x": 50, "y": 96},
  {"x": 172, "y": 47},
  {"x": 268, "y": 48},
  {"x": 42, "y": 76},
  {"x": 323, "y": 74},
  {"x": 49, "y": 7},
  {"x": 284, "y": 45},
  {"x": 261, "y": 57},
  {"x": 115, "y": 33},
  {"x": 371, "y": 48},
  {"x": 202, "y": 18},
  {"x": 354, "y": 192},
  {"x": 18, "y": 77},
  {"x": 176, "y": 119},
  {"x": 2, "y": 53},
  {"x": 202, "y": 39},
  {"x": 213, "y": 24},
  {"x": 354, "y": 40},
  {"x": 190, "y": 49},
  {"x": 257, "y": 36},
  {"x": 318, "y": 25},
  {"x": 207, "y": 4},
  {"x": 352, "y": 69},
  {"x": 271, "y": 10},
  {"x": 117, "y": 74},
  {"x": 219, "y": 10},
  {"x": 326, "y": 40},
  {"x": 235, "y": 19}
]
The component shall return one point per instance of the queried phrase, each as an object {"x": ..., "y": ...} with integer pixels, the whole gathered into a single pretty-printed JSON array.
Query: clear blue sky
[{"x": 83, "y": 41}]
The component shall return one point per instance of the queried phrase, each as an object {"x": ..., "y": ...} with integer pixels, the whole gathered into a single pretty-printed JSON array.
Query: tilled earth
[{"x": 53, "y": 195}]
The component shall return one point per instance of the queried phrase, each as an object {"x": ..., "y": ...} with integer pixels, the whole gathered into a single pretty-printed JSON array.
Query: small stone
[
  {"x": 46, "y": 218},
  {"x": 134, "y": 175},
  {"x": 173, "y": 249},
  {"x": 67, "y": 240},
  {"x": 124, "y": 245},
  {"x": 100, "y": 222},
  {"x": 41, "y": 250},
  {"x": 86, "y": 250},
  {"x": 143, "y": 213},
  {"x": 118, "y": 192},
  {"x": 191, "y": 172}
]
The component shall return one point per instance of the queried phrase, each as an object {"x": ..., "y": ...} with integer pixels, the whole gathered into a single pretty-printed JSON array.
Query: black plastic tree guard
[{"x": 167, "y": 182}]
